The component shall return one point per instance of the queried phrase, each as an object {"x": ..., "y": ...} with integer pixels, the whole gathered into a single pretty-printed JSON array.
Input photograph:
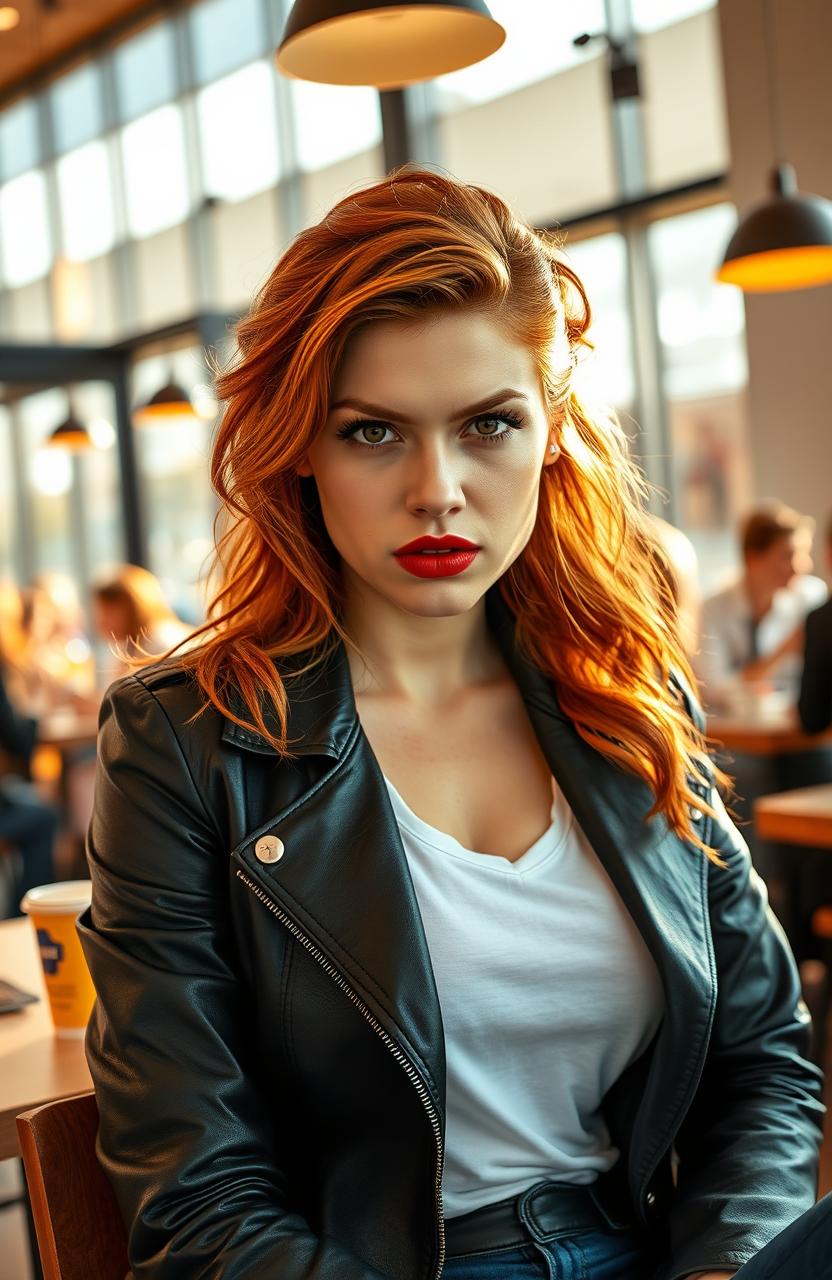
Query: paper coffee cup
[{"x": 53, "y": 910}]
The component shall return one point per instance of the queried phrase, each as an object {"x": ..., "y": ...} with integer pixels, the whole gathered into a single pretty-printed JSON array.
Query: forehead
[{"x": 458, "y": 351}]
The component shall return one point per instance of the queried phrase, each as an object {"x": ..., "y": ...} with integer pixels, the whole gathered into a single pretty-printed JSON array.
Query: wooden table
[
  {"x": 803, "y": 816},
  {"x": 35, "y": 1066},
  {"x": 766, "y": 733}
]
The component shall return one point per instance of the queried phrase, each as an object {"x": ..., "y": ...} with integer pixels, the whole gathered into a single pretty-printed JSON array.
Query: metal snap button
[
  {"x": 651, "y": 1199},
  {"x": 696, "y": 814},
  {"x": 269, "y": 849}
]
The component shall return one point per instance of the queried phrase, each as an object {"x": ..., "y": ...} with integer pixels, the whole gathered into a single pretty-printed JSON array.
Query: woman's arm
[
  {"x": 748, "y": 1147},
  {"x": 185, "y": 1136}
]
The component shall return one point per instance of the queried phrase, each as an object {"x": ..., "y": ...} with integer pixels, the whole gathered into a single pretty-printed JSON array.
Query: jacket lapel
[{"x": 343, "y": 877}]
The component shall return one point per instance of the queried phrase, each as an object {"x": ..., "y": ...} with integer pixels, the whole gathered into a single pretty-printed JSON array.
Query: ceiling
[{"x": 52, "y": 32}]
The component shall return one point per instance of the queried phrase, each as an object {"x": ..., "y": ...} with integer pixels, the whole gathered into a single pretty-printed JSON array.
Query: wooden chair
[{"x": 77, "y": 1220}]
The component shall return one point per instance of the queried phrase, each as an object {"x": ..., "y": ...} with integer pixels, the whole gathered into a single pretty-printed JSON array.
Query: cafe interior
[{"x": 156, "y": 159}]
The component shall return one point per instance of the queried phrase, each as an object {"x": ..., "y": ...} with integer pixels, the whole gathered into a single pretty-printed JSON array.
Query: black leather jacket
[{"x": 267, "y": 1045}]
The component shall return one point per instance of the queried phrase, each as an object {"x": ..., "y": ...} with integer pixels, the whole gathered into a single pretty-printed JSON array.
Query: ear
[{"x": 303, "y": 468}]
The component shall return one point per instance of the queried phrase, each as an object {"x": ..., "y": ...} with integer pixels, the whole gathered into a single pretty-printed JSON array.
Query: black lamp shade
[
  {"x": 381, "y": 43},
  {"x": 783, "y": 243},
  {"x": 170, "y": 401},
  {"x": 70, "y": 434}
]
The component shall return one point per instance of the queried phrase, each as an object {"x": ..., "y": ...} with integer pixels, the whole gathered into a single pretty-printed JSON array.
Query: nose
[{"x": 434, "y": 481}]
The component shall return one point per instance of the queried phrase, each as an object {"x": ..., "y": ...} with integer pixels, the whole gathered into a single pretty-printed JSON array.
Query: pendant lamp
[
  {"x": 784, "y": 242},
  {"x": 384, "y": 44},
  {"x": 170, "y": 401},
  {"x": 71, "y": 434}
]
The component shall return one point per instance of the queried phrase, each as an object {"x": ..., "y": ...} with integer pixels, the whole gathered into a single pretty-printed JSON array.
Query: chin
[{"x": 441, "y": 600}]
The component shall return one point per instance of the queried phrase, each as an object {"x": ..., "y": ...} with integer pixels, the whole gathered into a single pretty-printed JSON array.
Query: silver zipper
[{"x": 401, "y": 1058}]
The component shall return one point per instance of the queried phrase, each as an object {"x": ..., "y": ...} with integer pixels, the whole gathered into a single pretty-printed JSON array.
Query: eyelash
[{"x": 348, "y": 430}]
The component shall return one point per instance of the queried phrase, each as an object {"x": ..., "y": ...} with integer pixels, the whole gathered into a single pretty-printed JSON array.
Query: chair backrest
[{"x": 79, "y": 1227}]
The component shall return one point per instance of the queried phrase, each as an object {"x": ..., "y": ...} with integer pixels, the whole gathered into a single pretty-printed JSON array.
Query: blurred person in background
[
  {"x": 27, "y": 825},
  {"x": 132, "y": 613},
  {"x": 752, "y": 630},
  {"x": 814, "y": 706},
  {"x": 55, "y": 667}
]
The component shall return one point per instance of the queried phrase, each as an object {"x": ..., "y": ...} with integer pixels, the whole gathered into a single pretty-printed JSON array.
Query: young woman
[{"x": 423, "y": 943}]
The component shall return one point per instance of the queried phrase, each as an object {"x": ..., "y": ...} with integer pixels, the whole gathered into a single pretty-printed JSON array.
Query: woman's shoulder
[{"x": 165, "y": 691}]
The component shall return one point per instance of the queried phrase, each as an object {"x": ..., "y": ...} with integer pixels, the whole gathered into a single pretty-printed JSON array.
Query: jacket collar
[{"x": 321, "y": 711}]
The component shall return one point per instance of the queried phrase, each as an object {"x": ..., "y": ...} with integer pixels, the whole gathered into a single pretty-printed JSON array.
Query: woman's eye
[
  {"x": 351, "y": 428},
  {"x": 498, "y": 426}
]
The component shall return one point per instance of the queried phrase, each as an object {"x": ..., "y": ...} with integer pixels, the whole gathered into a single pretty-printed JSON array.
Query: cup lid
[{"x": 60, "y": 899}]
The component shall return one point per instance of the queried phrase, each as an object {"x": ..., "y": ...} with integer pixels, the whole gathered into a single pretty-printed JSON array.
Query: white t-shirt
[
  {"x": 725, "y": 635},
  {"x": 547, "y": 992}
]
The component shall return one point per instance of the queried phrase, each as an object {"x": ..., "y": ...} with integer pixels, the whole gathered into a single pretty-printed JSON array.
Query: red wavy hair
[{"x": 589, "y": 591}]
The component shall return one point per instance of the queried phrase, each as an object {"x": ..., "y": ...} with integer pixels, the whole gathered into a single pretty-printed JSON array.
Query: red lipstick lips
[{"x": 430, "y": 557}]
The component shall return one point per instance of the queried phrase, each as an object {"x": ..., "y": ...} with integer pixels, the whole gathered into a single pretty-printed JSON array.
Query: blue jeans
[
  {"x": 803, "y": 1251},
  {"x": 586, "y": 1255}
]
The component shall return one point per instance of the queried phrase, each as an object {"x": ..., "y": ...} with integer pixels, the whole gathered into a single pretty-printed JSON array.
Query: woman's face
[
  {"x": 423, "y": 460},
  {"x": 784, "y": 559}
]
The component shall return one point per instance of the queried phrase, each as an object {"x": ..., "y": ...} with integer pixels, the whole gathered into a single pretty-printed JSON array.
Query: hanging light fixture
[
  {"x": 384, "y": 44},
  {"x": 784, "y": 242},
  {"x": 71, "y": 434},
  {"x": 170, "y": 402}
]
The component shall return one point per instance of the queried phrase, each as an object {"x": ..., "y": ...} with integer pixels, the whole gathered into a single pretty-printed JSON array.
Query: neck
[{"x": 422, "y": 662}]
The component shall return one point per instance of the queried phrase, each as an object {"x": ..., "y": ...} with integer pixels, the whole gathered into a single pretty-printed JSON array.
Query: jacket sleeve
[
  {"x": 814, "y": 705},
  {"x": 748, "y": 1147},
  {"x": 185, "y": 1137}
]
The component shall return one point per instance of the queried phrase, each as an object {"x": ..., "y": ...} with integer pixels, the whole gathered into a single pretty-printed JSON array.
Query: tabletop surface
[
  {"x": 763, "y": 731},
  {"x": 803, "y": 816},
  {"x": 35, "y": 1066}
]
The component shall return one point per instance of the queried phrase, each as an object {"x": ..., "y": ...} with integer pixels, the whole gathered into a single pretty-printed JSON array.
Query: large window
[
  {"x": 702, "y": 333},
  {"x": 87, "y": 221},
  {"x": 238, "y": 160},
  {"x": 605, "y": 374},
  {"x": 24, "y": 232},
  {"x": 155, "y": 174},
  {"x": 333, "y": 122},
  {"x": 533, "y": 121},
  {"x": 76, "y": 107},
  {"x": 19, "y": 141},
  {"x": 145, "y": 71},
  {"x": 538, "y": 43},
  {"x": 226, "y": 34}
]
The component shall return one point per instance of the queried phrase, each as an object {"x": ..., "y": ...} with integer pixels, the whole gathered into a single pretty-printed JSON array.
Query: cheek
[{"x": 350, "y": 503}]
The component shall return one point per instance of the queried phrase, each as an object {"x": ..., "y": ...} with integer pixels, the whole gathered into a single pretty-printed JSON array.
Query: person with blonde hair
[
  {"x": 424, "y": 945},
  {"x": 132, "y": 612}
]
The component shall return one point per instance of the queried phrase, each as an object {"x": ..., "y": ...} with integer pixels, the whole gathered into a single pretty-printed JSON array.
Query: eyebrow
[{"x": 390, "y": 416}]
